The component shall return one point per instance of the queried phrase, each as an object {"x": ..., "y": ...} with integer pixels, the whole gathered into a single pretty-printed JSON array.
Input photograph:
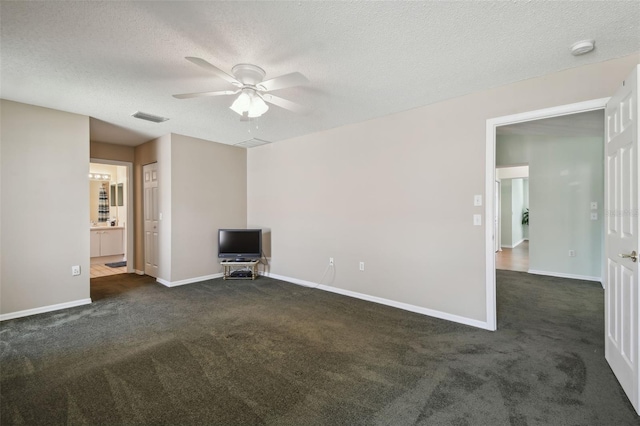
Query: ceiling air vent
[
  {"x": 251, "y": 143},
  {"x": 148, "y": 117}
]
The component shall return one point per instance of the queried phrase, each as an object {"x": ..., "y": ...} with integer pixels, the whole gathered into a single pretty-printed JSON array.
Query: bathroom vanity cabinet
[{"x": 107, "y": 241}]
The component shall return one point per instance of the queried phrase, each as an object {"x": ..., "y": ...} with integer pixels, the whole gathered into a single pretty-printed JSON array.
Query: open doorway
[
  {"x": 563, "y": 182},
  {"x": 110, "y": 221},
  {"x": 490, "y": 188},
  {"x": 512, "y": 223}
]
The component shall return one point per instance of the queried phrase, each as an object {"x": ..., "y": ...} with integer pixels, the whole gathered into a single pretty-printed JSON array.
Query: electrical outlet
[
  {"x": 362, "y": 266},
  {"x": 331, "y": 261},
  {"x": 594, "y": 205},
  {"x": 477, "y": 219},
  {"x": 572, "y": 253},
  {"x": 594, "y": 216},
  {"x": 75, "y": 270}
]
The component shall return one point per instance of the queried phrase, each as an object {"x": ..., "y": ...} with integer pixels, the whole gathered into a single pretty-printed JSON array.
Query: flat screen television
[{"x": 240, "y": 245}]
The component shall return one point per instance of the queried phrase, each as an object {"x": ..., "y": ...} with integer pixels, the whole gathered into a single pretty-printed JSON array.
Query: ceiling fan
[{"x": 253, "y": 98}]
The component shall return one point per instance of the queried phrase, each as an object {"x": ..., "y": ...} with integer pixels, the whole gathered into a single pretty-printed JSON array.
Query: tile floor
[
  {"x": 99, "y": 269},
  {"x": 103, "y": 271}
]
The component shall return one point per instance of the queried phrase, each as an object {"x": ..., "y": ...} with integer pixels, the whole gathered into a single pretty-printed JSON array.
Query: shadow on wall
[{"x": 266, "y": 243}]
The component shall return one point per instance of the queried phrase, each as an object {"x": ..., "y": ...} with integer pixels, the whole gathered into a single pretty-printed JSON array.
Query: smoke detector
[{"x": 581, "y": 47}]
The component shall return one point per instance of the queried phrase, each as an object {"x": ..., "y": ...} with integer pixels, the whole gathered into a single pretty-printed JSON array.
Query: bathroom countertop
[{"x": 102, "y": 228}]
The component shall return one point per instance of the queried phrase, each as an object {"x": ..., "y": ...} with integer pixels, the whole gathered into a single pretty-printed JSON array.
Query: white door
[
  {"x": 150, "y": 188},
  {"x": 621, "y": 207}
]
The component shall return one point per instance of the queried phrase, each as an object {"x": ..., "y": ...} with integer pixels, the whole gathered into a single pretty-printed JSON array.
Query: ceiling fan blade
[
  {"x": 202, "y": 94},
  {"x": 283, "y": 103},
  {"x": 217, "y": 71},
  {"x": 284, "y": 81}
]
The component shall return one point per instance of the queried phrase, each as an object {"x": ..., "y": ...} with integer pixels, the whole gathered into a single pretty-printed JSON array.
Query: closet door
[{"x": 151, "y": 228}]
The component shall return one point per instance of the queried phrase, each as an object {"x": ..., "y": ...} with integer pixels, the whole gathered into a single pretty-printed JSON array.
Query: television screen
[{"x": 240, "y": 244}]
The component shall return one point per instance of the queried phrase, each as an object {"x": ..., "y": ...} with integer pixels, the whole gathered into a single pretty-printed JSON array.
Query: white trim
[
  {"x": 188, "y": 280},
  {"x": 563, "y": 275},
  {"x": 515, "y": 245},
  {"x": 136, "y": 271},
  {"x": 43, "y": 309},
  {"x": 382, "y": 301},
  {"x": 490, "y": 163}
]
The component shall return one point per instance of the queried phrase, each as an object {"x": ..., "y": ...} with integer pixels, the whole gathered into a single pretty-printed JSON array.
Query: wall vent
[
  {"x": 251, "y": 143},
  {"x": 149, "y": 117}
]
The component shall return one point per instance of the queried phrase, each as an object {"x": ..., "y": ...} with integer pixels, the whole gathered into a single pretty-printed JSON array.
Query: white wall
[
  {"x": 209, "y": 191},
  {"x": 374, "y": 192},
  {"x": 512, "y": 205},
  {"x": 565, "y": 175},
  {"x": 506, "y": 210},
  {"x": 517, "y": 207},
  {"x": 45, "y": 207},
  {"x": 560, "y": 197}
]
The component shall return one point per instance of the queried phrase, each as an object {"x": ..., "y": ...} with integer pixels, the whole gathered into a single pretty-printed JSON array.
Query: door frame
[
  {"x": 130, "y": 225},
  {"x": 497, "y": 215},
  {"x": 490, "y": 177}
]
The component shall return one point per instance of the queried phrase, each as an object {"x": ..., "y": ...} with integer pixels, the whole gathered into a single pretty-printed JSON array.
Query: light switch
[
  {"x": 594, "y": 205},
  {"x": 477, "y": 200},
  {"x": 477, "y": 219},
  {"x": 594, "y": 216}
]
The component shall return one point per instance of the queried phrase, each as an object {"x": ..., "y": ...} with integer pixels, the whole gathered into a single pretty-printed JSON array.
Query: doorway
[
  {"x": 512, "y": 218},
  {"x": 564, "y": 183},
  {"x": 492, "y": 126},
  {"x": 111, "y": 217}
]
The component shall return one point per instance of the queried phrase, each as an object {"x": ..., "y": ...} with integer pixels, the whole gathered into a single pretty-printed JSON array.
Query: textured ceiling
[{"x": 363, "y": 59}]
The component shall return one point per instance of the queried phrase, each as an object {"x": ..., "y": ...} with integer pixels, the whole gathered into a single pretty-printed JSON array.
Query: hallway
[{"x": 515, "y": 259}]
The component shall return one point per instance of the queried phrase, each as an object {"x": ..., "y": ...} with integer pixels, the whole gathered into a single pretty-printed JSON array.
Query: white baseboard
[
  {"x": 516, "y": 244},
  {"x": 135, "y": 271},
  {"x": 563, "y": 275},
  {"x": 188, "y": 280},
  {"x": 382, "y": 301},
  {"x": 43, "y": 309}
]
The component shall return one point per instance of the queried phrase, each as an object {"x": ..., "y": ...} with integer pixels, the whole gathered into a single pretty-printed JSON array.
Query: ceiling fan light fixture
[
  {"x": 258, "y": 107},
  {"x": 242, "y": 103},
  {"x": 249, "y": 103}
]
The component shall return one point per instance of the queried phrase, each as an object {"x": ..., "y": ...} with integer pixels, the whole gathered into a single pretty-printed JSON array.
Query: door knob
[{"x": 633, "y": 256}]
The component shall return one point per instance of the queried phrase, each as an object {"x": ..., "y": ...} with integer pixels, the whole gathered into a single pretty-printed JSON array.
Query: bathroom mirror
[{"x": 116, "y": 196}]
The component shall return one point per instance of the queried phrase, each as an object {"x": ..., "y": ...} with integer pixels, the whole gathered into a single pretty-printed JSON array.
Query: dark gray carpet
[{"x": 270, "y": 352}]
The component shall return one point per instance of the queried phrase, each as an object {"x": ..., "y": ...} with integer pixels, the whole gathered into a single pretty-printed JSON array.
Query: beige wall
[
  {"x": 45, "y": 207},
  {"x": 202, "y": 187},
  {"x": 374, "y": 192},
  {"x": 108, "y": 151},
  {"x": 208, "y": 192}
]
